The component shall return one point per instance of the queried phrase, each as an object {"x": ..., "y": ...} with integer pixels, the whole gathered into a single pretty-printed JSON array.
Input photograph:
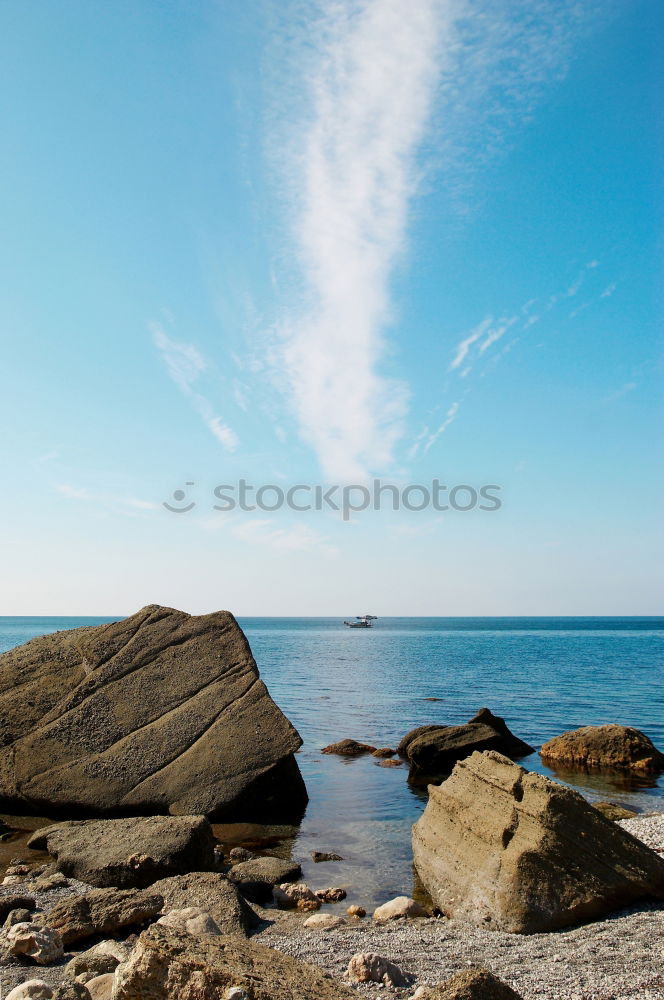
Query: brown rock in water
[
  {"x": 389, "y": 763},
  {"x": 513, "y": 851},
  {"x": 163, "y": 712},
  {"x": 619, "y": 747},
  {"x": 102, "y": 911},
  {"x": 128, "y": 853},
  {"x": 383, "y": 752},
  {"x": 333, "y": 894},
  {"x": 165, "y": 965},
  {"x": 471, "y": 984},
  {"x": 432, "y": 751},
  {"x": 319, "y": 856},
  {"x": 348, "y": 748},
  {"x": 613, "y": 811},
  {"x": 212, "y": 892}
]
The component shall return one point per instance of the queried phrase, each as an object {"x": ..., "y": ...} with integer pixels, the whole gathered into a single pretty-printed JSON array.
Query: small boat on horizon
[{"x": 362, "y": 621}]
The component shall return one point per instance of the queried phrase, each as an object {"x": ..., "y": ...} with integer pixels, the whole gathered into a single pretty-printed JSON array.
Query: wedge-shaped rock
[
  {"x": 432, "y": 751},
  {"x": 128, "y": 853},
  {"x": 510, "y": 850},
  {"x": 166, "y": 964},
  {"x": 163, "y": 712},
  {"x": 615, "y": 747}
]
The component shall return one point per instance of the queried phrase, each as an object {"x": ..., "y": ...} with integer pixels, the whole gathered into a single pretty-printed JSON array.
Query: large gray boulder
[
  {"x": 163, "y": 712},
  {"x": 129, "y": 853},
  {"x": 509, "y": 850},
  {"x": 166, "y": 964}
]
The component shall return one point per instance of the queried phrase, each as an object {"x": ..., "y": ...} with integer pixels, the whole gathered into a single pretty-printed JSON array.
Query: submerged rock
[
  {"x": 319, "y": 856},
  {"x": 514, "y": 851},
  {"x": 128, "y": 853},
  {"x": 432, "y": 751},
  {"x": 255, "y": 879},
  {"x": 619, "y": 747},
  {"x": 165, "y": 965},
  {"x": 348, "y": 748},
  {"x": 163, "y": 712}
]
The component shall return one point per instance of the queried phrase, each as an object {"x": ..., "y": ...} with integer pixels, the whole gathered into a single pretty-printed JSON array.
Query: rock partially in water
[
  {"x": 211, "y": 892},
  {"x": 319, "y": 856},
  {"x": 103, "y": 911},
  {"x": 128, "y": 853},
  {"x": 432, "y": 751},
  {"x": 165, "y": 965},
  {"x": 510, "y": 850},
  {"x": 619, "y": 747},
  {"x": 256, "y": 879},
  {"x": 383, "y": 752},
  {"x": 163, "y": 712},
  {"x": 333, "y": 894},
  {"x": 348, "y": 748},
  {"x": 356, "y": 911},
  {"x": 289, "y": 896},
  {"x": 613, "y": 811}
]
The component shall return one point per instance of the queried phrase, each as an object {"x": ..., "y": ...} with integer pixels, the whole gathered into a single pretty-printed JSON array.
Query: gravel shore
[{"x": 620, "y": 958}]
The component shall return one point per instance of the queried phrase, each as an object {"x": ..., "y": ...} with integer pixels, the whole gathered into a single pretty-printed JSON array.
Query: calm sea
[{"x": 543, "y": 675}]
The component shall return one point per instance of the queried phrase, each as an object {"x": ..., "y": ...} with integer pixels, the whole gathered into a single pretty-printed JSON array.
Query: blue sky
[{"x": 317, "y": 243}]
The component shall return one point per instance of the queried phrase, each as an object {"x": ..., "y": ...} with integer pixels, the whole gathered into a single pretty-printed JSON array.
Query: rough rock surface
[
  {"x": 348, "y": 748},
  {"x": 614, "y": 811},
  {"x": 103, "y": 911},
  {"x": 319, "y": 856},
  {"x": 432, "y": 751},
  {"x": 165, "y": 964},
  {"x": 365, "y": 967},
  {"x": 331, "y": 894},
  {"x": 15, "y": 901},
  {"x": 474, "y": 984},
  {"x": 190, "y": 920},
  {"x": 290, "y": 894},
  {"x": 128, "y": 853},
  {"x": 211, "y": 892},
  {"x": 162, "y": 712},
  {"x": 514, "y": 851},
  {"x": 32, "y": 989},
  {"x": 71, "y": 991},
  {"x": 43, "y": 945},
  {"x": 101, "y": 958},
  {"x": 255, "y": 879},
  {"x": 605, "y": 746},
  {"x": 323, "y": 922},
  {"x": 101, "y": 988}
]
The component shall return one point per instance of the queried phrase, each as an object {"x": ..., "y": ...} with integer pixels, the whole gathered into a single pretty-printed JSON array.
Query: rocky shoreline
[{"x": 528, "y": 890}]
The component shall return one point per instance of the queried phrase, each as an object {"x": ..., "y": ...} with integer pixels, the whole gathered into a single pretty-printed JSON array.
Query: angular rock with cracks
[
  {"x": 165, "y": 964},
  {"x": 163, "y": 712},
  {"x": 128, "y": 853},
  {"x": 509, "y": 850}
]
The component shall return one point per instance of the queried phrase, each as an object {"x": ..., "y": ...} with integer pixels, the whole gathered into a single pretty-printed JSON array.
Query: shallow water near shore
[{"x": 543, "y": 675}]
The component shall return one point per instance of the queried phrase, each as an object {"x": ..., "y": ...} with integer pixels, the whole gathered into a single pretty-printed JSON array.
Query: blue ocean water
[{"x": 543, "y": 675}]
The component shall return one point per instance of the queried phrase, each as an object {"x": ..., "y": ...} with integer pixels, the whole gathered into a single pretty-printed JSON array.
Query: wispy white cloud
[
  {"x": 464, "y": 345},
  {"x": 449, "y": 417},
  {"x": 373, "y": 75},
  {"x": 622, "y": 391},
  {"x": 609, "y": 290},
  {"x": 185, "y": 364},
  {"x": 296, "y": 538},
  {"x": 122, "y": 502},
  {"x": 371, "y": 96}
]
